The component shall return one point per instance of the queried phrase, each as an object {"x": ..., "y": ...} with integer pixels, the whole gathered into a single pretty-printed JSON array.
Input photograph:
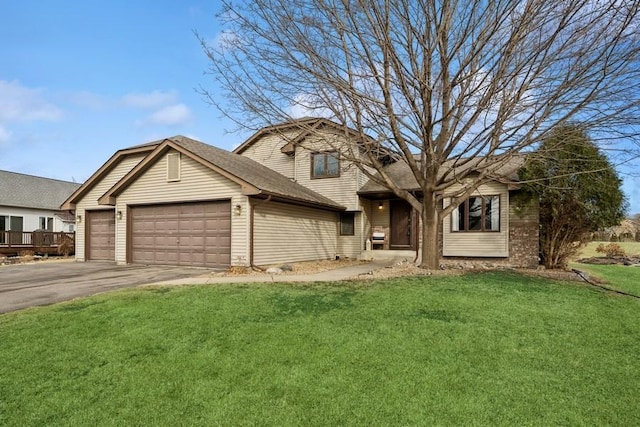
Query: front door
[{"x": 401, "y": 225}]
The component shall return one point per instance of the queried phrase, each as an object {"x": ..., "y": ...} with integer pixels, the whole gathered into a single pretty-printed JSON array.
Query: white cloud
[
  {"x": 19, "y": 103},
  {"x": 171, "y": 115},
  {"x": 164, "y": 107},
  {"x": 151, "y": 100}
]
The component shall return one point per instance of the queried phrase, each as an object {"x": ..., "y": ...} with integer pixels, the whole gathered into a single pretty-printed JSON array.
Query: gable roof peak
[
  {"x": 251, "y": 175},
  {"x": 304, "y": 125}
]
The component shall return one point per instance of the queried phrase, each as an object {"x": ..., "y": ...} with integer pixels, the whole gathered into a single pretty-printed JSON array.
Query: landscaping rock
[
  {"x": 611, "y": 260},
  {"x": 274, "y": 270}
]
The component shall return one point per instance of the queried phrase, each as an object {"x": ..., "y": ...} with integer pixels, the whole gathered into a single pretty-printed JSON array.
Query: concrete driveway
[{"x": 27, "y": 285}]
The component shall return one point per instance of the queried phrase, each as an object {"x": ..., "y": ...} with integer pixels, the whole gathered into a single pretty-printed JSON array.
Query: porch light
[
  {"x": 119, "y": 215},
  {"x": 79, "y": 219},
  {"x": 380, "y": 205},
  {"x": 237, "y": 210}
]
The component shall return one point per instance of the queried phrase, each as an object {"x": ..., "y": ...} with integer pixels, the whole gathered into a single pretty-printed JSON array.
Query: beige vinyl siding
[
  {"x": 340, "y": 189},
  {"x": 90, "y": 200},
  {"x": 197, "y": 183},
  {"x": 289, "y": 233},
  {"x": 365, "y": 223},
  {"x": 380, "y": 219},
  {"x": 267, "y": 152},
  {"x": 480, "y": 244},
  {"x": 351, "y": 246}
]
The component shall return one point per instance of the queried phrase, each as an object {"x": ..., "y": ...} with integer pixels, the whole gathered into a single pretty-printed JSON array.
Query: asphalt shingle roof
[
  {"x": 401, "y": 174},
  {"x": 253, "y": 173},
  {"x": 28, "y": 191}
]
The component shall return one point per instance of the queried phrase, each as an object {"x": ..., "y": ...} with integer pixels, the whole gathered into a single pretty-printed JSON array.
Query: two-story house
[{"x": 284, "y": 195}]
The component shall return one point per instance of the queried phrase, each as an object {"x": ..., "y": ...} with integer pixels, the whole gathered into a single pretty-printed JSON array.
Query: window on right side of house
[{"x": 477, "y": 213}]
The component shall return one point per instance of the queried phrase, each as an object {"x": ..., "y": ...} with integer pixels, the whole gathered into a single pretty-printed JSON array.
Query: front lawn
[
  {"x": 622, "y": 277},
  {"x": 481, "y": 349}
]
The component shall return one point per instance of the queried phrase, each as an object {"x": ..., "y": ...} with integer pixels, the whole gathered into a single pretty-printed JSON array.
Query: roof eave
[
  {"x": 70, "y": 202},
  {"x": 386, "y": 190},
  {"x": 303, "y": 202},
  {"x": 109, "y": 198}
]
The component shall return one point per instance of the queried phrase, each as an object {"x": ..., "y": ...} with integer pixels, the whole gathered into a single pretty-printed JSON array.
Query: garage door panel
[
  {"x": 218, "y": 241},
  {"x": 192, "y": 243},
  {"x": 194, "y": 234},
  {"x": 101, "y": 235},
  {"x": 191, "y": 258}
]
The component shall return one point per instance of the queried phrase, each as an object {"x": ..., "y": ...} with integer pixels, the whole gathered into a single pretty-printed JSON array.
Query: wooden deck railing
[{"x": 37, "y": 241}]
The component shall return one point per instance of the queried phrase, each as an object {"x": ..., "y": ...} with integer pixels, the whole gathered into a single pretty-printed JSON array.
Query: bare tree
[{"x": 442, "y": 84}]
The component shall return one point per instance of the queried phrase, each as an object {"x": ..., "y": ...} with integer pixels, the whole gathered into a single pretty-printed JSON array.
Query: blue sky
[{"x": 81, "y": 79}]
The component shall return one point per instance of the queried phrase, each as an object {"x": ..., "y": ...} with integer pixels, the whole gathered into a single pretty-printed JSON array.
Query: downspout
[{"x": 251, "y": 230}]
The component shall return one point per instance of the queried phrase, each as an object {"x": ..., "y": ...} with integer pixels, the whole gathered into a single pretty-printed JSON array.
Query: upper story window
[
  {"x": 477, "y": 213},
  {"x": 325, "y": 165}
]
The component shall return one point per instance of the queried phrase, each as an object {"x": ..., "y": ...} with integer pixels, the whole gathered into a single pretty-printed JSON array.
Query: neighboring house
[
  {"x": 284, "y": 195},
  {"x": 29, "y": 203}
]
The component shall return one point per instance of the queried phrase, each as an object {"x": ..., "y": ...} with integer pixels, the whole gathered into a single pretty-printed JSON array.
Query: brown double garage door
[{"x": 189, "y": 234}]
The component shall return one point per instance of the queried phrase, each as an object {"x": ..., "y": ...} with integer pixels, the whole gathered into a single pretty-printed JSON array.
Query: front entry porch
[{"x": 394, "y": 226}]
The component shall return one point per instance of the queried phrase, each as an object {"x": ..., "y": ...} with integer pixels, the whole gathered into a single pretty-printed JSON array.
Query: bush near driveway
[{"x": 478, "y": 349}]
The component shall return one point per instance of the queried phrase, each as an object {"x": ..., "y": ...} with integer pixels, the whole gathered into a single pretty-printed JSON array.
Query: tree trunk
[{"x": 430, "y": 244}]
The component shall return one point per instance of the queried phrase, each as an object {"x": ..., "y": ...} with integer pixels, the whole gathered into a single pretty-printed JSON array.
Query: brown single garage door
[
  {"x": 101, "y": 235},
  {"x": 193, "y": 234}
]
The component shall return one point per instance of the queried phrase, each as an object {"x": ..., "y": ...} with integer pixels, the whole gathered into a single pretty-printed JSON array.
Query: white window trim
[{"x": 495, "y": 215}]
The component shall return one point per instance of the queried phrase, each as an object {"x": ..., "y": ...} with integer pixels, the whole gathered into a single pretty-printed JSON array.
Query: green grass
[
  {"x": 631, "y": 249},
  {"x": 621, "y": 277},
  {"x": 483, "y": 349}
]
